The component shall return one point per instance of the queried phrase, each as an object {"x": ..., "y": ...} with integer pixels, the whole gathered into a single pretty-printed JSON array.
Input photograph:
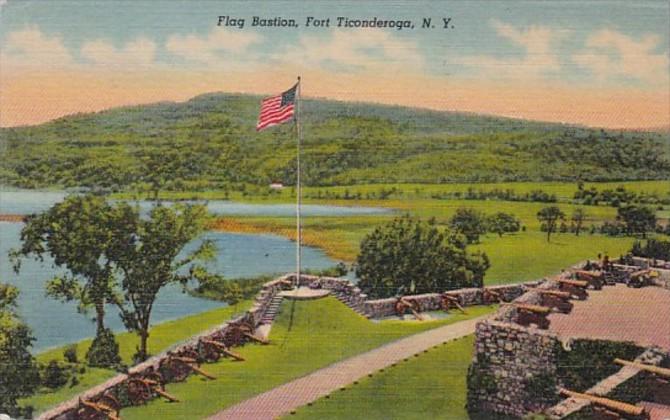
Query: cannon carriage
[
  {"x": 105, "y": 407},
  {"x": 528, "y": 315},
  {"x": 555, "y": 299},
  {"x": 402, "y": 305},
  {"x": 144, "y": 387},
  {"x": 576, "y": 288}
]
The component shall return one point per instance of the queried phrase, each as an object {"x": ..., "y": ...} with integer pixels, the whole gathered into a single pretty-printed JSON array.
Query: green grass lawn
[
  {"x": 431, "y": 386},
  {"x": 161, "y": 337},
  {"x": 306, "y": 336},
  {"x": 528, "y": 256}
]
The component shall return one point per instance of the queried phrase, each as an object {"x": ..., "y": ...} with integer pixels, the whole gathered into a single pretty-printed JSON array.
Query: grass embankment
[
  {"x": 161, "y": 337},
  {"x": 305, "y": 337},
  {"x": 431, "y": 386}
]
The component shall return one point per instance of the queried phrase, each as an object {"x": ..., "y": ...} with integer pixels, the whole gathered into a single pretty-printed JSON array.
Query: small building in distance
[{"x": 276, "y": 185}]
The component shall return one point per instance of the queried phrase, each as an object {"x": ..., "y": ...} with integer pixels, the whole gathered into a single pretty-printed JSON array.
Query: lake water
[
  {"x": 239, "y": 255},
  {"x": 27, "y": 202}
]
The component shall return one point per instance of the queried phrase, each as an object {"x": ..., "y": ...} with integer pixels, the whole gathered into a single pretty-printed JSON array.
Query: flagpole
[{"x": 298, "y": 124}]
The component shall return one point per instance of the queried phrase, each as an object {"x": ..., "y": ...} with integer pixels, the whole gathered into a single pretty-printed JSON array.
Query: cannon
[
  {"x": 238, "y": 334},
  {"x": 142, "y": 388},
  {"x": 490, "y": 296},
  {"x": 449, "y": 302},
  {"x": 576, "y": 288},
  {"x": 212, "y": 350},
  {"x": 532, "y": 314},
  {"x": 555, "y": 299},
  {"x": 177, "y": 367},
  {"x": 594, "y": 279},
  {"x": 107, "y": 406},
  {"x": 403, "y": 304},
  {"x": 656, "y": 370},
  {"x": 614, "y": 408},
  {"x": 640, "y": 278}
]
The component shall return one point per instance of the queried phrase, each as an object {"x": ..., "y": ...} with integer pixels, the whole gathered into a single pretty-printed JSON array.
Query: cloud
[
  {"x": 137, "y": 53},
  {"x": 354, "y": 50},
  {"x": 31, "y": 47},
  {"x": 610, "y": 53},
  {"x": 538, "y": 60},
  {"x": 213, "y": 48}
]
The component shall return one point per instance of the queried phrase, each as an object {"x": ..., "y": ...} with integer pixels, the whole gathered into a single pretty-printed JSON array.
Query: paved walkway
[
  {"x": 619, "y": 313},
  {"x": 285, "y": 398}
]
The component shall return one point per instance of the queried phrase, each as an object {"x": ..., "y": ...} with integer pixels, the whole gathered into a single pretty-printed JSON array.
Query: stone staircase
[
  {"x": 273, "y": 308},
  {"x": 350, "y": 301}
]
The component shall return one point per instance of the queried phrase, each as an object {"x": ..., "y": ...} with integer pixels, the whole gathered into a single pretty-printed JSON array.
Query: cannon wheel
[
  {"x": 235, "y": 335},
  {"x": 138, "y": 392},
  {"x": 177, "y": 371},
  {"x": 209, "y": 352},
  {"x": 110, "y": 401}
]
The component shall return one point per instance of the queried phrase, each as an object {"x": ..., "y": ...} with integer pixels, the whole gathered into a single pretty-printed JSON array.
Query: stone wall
[
  {"x": 380, "y": 308},
  {"x": 509, "y": 364}
]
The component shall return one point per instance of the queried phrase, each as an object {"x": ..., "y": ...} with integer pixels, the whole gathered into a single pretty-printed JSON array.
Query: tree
[
  {"x": 148, "y": 257},
  {"x": 549, "y": 217},
  {"x": 19, "y": 376},
  {"x": 78, "y": 234},
  {"x": 502, "y": 223},
  {"x": 408, "y": 256},
  {"x": 638, "y": 219},
  {"x": 468, "y": 222},
  {"x": 577, "y": 218}
]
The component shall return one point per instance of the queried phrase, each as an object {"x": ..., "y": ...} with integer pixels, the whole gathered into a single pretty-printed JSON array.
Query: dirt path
[{"x": 285, "y": 398}]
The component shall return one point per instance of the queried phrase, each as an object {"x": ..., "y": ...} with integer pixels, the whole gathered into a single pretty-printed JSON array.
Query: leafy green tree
[
  {"x": 19, "y": 376},
  {"x": 469, "y": 222},
  {"x": 408, "y": 256},
  {"x": 549, "y": 217},
  {"x": 638, "y": 219},
  {"x": 578, "y": 217},
  {"x": 502, "y": 223},
  {"x": 78, "y": 234},
  {"x": 148, "y": 257}
]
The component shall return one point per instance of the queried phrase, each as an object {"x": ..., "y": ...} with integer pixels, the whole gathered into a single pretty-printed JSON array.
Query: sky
[{"x": 597, "y": 63}]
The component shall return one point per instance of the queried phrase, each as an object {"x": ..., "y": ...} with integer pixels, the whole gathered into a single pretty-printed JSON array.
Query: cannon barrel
[
  {"x": 618, "y": 406},
  {"x": 649, "y": 368},
  {"x": 532, "y": 308},
  {"x": 223, "y": 349},
  {"x": 576, "y": 283},
  {"x": 556, "y": 293}
]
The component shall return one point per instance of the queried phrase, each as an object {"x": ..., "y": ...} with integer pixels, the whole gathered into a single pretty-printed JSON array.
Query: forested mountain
[{"x": 210, "y": 142}]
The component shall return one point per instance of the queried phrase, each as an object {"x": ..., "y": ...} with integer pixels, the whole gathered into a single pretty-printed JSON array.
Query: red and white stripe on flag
[{"x": 276, "y": 109}]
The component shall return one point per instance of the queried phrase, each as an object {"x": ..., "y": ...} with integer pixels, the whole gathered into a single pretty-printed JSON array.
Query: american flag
[{"x": 277, "y": 109}]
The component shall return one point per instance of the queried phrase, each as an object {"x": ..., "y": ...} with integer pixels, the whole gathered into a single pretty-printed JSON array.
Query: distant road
[{"x": 12, "y": 218}]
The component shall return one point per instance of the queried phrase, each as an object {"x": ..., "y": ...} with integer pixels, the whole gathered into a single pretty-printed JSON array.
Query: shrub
[
  {"x": 70, "y": 354},
  {"x": 104, "y": 350},
  {"x": 55, "y": 375}
]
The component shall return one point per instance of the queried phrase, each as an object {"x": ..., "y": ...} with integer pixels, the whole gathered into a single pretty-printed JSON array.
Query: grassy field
[
  {"x": 517, "y": 257},
  {"x": 306, "y": 336},
  {"x": 161, "y": 337},
  {"x": 436, "y": 380}
]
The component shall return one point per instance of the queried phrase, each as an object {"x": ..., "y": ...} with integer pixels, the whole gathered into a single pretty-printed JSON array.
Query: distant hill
[{"x": 210, "y": 142}]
